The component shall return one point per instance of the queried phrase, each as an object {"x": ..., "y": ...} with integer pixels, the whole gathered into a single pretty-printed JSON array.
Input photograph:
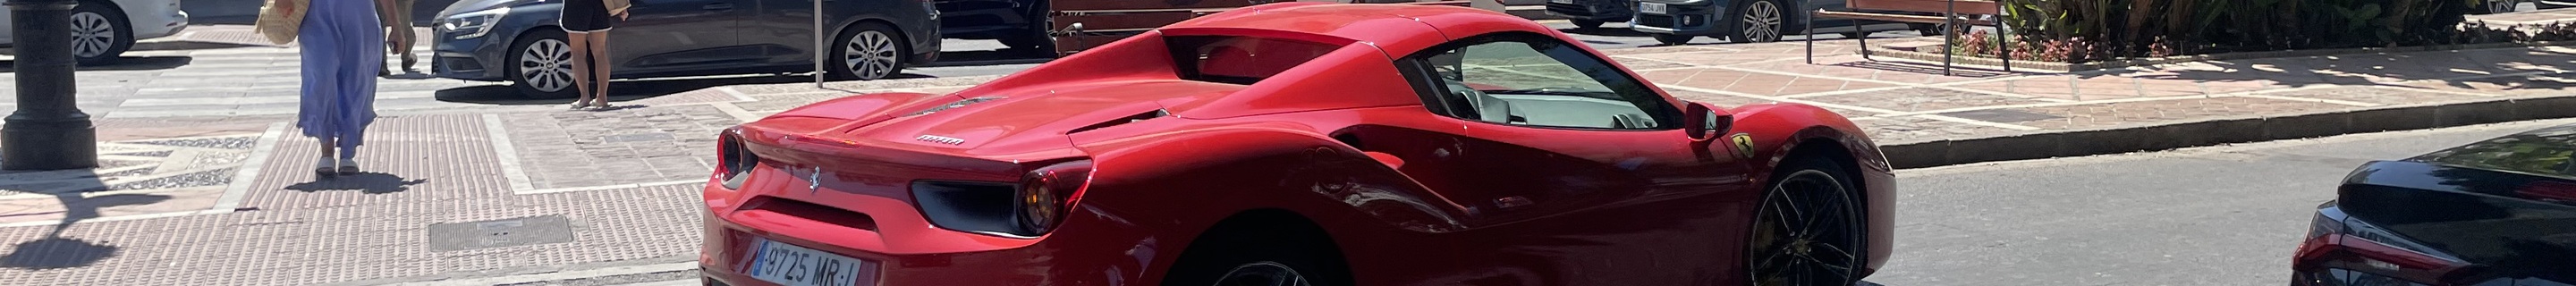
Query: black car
[
  {"x": 2496, "y": 212},
  {"x": 1589, "y": 14},
  {"x": 1016, "y": 23},
  {"x": 519, "y": 40}
]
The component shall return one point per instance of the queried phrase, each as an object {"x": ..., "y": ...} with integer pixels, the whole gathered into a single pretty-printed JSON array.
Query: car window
[{"x": 1535, "y": 80}]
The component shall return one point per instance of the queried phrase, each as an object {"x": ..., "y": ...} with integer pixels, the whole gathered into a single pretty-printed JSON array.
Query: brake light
[
  {"x": 1047, "y": 193},
  {"x": 2338, "y": 241},
  {"x": 2549, "y": 191}
]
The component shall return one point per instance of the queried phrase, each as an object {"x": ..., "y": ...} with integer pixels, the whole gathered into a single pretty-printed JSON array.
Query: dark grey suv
[{"x": 518, "y": 40}]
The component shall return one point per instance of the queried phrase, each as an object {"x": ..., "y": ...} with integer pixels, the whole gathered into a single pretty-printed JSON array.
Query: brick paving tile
[
  {"x": 2164, "y": 111},
  {"x": 708, "y": 95},
  {"x": 2380, "y": 95},
  {"x": 1665, "y": 49},
  {"x": 402, "y": 156},
  {"x": 589, "y": 149},
  {"x": 1921, "y": 99},
  {"x": 1753, "y": 83},
  {"x": 1911, "y": 129},
  {"x": 2537, "y": 85},
  {"x": 348, "y": 243}
]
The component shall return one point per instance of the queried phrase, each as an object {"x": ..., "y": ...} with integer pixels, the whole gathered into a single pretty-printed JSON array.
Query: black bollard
[{"x": 48, "y": 131}]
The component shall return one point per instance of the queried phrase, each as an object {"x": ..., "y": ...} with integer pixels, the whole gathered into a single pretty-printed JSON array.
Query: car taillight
[
  {"x": 1047, "y": 193},
  {"x": 2548, "y": 191},
  {"x": 2338, "y": 241},
  {"x": 733, "y": 161}
]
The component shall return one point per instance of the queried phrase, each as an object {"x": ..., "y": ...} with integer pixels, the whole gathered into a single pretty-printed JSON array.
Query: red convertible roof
[{"x": 1397, "y": 28}]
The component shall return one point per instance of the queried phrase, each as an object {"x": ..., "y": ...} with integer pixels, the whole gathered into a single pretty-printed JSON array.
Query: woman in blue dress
[{"x": 343, "y": 48}]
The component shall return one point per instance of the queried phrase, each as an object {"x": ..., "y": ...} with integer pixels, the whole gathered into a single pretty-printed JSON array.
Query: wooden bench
[{"x": 1950, "y": 13}]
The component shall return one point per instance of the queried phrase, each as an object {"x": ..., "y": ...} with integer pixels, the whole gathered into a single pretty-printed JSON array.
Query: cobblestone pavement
[{"x": 481, "y": 191}]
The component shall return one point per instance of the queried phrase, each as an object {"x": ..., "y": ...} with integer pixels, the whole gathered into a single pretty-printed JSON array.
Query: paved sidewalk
[{"x": 461, "y": 194}]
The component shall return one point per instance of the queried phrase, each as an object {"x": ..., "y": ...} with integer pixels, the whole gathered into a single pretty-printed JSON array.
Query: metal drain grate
[{"x": 500, "y": 233}]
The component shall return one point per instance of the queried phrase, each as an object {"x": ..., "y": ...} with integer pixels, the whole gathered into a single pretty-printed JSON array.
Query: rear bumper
[
  {"x": 1593, "y": 10},
  {"x": 1703, "y": 17},
  {"x": 904, "y": 250}
]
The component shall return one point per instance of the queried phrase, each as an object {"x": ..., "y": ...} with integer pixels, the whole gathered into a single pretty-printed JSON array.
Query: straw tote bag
[
  {"x": 280, "y": 19},
  {"x": 616, "y": 6}
]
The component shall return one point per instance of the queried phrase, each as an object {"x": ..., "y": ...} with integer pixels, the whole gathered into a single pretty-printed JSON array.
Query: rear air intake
[{"x": 1157, "y": 113}]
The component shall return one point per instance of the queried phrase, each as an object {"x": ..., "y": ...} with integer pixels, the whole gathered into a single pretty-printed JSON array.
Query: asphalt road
[{"x": 2227, "y": 215}]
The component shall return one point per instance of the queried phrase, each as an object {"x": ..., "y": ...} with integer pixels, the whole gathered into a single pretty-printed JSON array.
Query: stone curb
[{"x": 2070, "y": 143}]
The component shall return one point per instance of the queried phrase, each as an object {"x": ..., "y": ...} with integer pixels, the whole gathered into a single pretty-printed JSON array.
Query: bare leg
[
  {"x": 402, "y": 36},
  {"x": 329, "y": 145},
  {"x": 580, "y": 66},
  {"x": 599, "y": 73},
  {"x": 329, "y": 164}
]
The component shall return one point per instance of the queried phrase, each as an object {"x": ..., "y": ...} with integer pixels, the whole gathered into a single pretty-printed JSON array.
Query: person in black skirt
[{"x": 586, "y": 24}]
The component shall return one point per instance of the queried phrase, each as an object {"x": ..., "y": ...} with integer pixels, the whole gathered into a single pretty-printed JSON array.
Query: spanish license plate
[
  {"x": 792, "y": 265},
  {"x": 1561, "y": 1},
  {"x": 1650, "y": 8}
]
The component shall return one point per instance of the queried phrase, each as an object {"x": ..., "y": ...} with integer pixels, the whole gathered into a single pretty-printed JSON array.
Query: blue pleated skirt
[{"x": 343, "y": 48}]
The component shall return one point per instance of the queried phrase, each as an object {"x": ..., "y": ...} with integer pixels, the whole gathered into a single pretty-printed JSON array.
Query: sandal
[
  {"x": 578, "y": 105},
  {"x": 348, "y": 166},
  {"x": 325, "y": 169}
]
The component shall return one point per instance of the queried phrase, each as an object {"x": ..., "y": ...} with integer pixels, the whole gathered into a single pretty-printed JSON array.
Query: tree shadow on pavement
[
  {"x": 2506, "y": 67},
  {"x": 68, "y": 188},
  {"x": 121, "y": 64},
  {"x": 364, "y": 182}
]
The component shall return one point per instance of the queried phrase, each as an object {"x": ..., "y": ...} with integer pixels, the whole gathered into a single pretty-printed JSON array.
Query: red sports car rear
[{"x": 1302, "y": 144}]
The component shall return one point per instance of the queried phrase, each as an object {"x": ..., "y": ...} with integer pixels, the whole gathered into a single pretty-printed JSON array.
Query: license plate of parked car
[
  {"x": 1650, "y": 8},
  {"x": 799, "y": 266}
]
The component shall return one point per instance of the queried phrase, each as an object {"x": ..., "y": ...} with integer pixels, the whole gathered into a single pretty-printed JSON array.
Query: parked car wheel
[
  {"x": 2497, "y": 6},
  {"x": 1825, "y": 247},
  {"x": 869, "y": 51},
  {"x": 1761, "y": 22},
  {"x": 541, "y": 65},
  {"x": 100, "y": 33},
  {"x": 1671, "y": 39},
  {"x": 1586, "y": 24},
  {"x": 1928, "y": 29}
]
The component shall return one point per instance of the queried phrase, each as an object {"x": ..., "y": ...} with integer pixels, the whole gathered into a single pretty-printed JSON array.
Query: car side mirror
[{"x": 1703, "y": 123}]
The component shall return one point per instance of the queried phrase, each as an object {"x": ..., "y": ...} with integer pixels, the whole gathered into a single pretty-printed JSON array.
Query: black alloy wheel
[{"x": 1807, "y": 231}]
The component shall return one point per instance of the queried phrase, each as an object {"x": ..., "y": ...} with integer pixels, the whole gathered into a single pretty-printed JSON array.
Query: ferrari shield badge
[{"x": 1743, "y": 144}]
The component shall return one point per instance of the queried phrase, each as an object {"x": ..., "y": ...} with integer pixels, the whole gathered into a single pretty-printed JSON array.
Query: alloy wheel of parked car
[
  {"x": 1263, "y": 273},
  {"x": 542, "y": 65},
  {"x": 99, "y": 33},
  {"x": 869, "y": 51},
  {"x": 1807, "y": 230},
  {"x": 1761, "y": 22}
]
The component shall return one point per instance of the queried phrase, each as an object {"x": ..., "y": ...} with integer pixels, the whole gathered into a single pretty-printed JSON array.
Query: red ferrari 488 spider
[{"x": 1302, "y": 144}]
